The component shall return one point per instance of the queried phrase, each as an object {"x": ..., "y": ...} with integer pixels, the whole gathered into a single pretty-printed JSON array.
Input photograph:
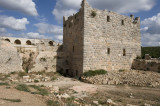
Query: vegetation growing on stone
[
  {"x": 94, "y": 73},
  {"x": 93, "y": 14}
]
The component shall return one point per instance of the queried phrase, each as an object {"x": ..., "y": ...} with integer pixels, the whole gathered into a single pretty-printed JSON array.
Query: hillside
[{"x": 154, "y": 52}]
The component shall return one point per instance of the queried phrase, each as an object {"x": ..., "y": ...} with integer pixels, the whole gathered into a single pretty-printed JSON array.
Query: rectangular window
[
  {"x": 122, "y": 22},
  {"x": 108, "y": 18},
  {"x": 73, "y": 48},
  {"x": 108, "y": 50},
  {"x": 124, "y": 52}
]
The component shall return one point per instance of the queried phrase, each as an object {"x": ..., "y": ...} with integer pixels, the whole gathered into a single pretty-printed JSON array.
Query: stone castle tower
[{"x": 99, "y": 39}]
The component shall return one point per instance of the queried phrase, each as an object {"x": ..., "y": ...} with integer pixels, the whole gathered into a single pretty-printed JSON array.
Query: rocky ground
[
  {"x": 52, "y": 89},
  {"x": 129, "y": 77}
]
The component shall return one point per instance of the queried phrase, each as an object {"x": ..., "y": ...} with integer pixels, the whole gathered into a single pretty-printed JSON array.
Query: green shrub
[
  {"x": 2, "y": 83},
  {"x": 53, "y": 78},
  {"x": 93, "y": 14},
  {"x": 13, "y": 73},
  {"x": 94, "y": 73},
  {"x": 52, "y": 103},
  {"x": 138, "y": 57},
  {"x": 41, "y": 91},
  {"x": 122, "y": 70},
  {"x": 26, "y": 70},
  {"x": 22, "y": 87},
  {"x": 21, "y": 74},
  {"x": 36, "y": 81},
  {"x": 12, "y": 100}
]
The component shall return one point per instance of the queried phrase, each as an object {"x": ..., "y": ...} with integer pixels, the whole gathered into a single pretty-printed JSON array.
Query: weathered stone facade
[
  {"x": 20, "y": 54},
  {"x": 97, "y": 39}
]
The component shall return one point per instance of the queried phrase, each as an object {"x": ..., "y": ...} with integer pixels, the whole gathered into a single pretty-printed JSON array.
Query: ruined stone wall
[
  {"x": 9, "y": 58},
  {"x": 73, "y": 43},
  {"x": 147, "y": 65},
  {"x": 37, "y": 55},
  {"x": 102, "y": 34}
]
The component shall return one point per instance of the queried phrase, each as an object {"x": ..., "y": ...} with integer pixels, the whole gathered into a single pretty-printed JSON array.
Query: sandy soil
[{"x": 27, "y": 99}]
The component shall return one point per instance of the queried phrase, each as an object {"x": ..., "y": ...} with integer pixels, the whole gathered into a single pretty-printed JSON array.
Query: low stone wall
[
  {"x": 146, "y": 65},
  {"x": 133, "y": 78}
]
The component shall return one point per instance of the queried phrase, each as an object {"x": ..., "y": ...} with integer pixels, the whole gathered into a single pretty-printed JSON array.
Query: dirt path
[
  {"x": 119, "y": 94},
  {"x": 27, "y": 99}
]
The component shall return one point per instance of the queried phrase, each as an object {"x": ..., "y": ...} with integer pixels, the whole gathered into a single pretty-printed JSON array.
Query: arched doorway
[
  {"x": 18, "y": 42},
  {"x": 28, "y": 42},
  {"x": 50, "y": 43},
  {"x": 7, "y": 40}
]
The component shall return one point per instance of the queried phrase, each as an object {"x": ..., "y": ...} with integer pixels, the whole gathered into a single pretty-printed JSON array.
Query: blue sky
[{"x": 43, "y": 18}]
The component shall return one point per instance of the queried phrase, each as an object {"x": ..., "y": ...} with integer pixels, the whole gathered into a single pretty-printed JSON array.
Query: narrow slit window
[
  {"x": 122, "y": 22},
  {"x": 73, "y": 48},
  {"x": 124, "y": 52},
  {"x": 108, "y": 50},
  {"x": 108, "y": 18}
]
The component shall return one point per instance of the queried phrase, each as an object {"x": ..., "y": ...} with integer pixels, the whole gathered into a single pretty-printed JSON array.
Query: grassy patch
[
  {"x": 41, "y": 91},
  {"x": 94, "y": 73},
  {"x": 122, "y": 70},
  {"x": 21, "y": 74},
  {"x": 52, "y": 103},
  {"x": 36, "y": 81},
  {"x": 13, "y": 73},
  {"x": 53, "y": 78},
  {"x": 3, "y": 83},
  {"x": 12, "y": 100},
  {"x": 22, "y": 87}
]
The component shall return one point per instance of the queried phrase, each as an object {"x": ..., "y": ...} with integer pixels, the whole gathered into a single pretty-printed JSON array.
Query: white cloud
[
  {"x": 151, "y": 31},
  {"x": 33, "y": 35},
  {"x": 56, "y": 31},
  {"x": 153, "y": 24},
  {"x": 24, "y": 6},
  {"x": 59, "y": 37},
  {"x": 13, "y": 23},
  {"x": 2, "y": 30},
  {"x": 150, "y": 39},
  {"x": 68, "y": 7},
  {"x": 48, "y": 28},
  {"x": 123, "y": 6}
]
